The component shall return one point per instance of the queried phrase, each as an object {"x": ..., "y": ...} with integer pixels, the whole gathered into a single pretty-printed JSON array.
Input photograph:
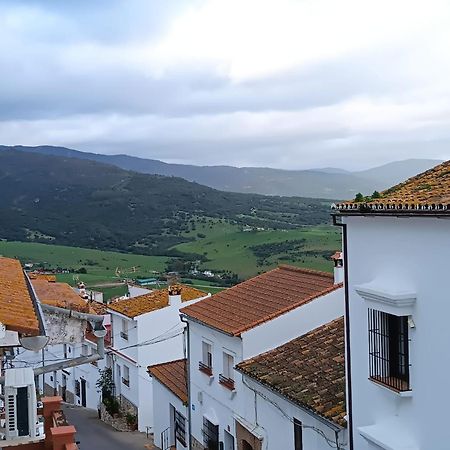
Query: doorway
[
  {"x": 83, "y": 392},
  {"x": 228, "y": 441},
  {"x": 246, "y": 445},
  {"x": 64, "y": 388}
]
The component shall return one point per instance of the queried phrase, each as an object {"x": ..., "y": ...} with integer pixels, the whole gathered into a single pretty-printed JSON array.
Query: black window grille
[
  {"x": 389, "y": 350},
  {"x": 180, "y": 428},
  {"x": 210, "y": 435}
]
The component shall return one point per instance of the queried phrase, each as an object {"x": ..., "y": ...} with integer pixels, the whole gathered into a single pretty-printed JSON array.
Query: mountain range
[
  {"x": 331, "y": 183},
  {"x": 78, "y": 202}
]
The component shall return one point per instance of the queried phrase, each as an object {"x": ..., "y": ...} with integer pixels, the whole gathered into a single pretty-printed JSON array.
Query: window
[
  {"x": 77, "y": 388},
  {"x": 298, "y": 435},
  {"x": 124, "y": 332},
  {"x": 210, "y": 435},
  {"x": 205, "y": 365},
  {"x": 65, "y": 350},
  {"x": 126, "y": 376},
  {"x": 84, "y": 350},
  {"x": 226, "y": 378},
  {"x": 388, "y": 350},
  {"x": 180, "y": 428}
]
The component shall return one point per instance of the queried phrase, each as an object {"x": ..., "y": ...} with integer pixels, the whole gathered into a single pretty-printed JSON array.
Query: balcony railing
[
  {"x": 126, "y": 382},
  {"x": 205, "y": 368},
  {"x": 124, "y": 335},
  {"x": 226, "y": 382}
]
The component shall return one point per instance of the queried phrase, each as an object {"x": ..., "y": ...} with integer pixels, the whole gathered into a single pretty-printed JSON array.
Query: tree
[
  {"x": 376, "y": 194},
  {"x": 105, "y": 383},
  {"x": 359, "y": 197}
]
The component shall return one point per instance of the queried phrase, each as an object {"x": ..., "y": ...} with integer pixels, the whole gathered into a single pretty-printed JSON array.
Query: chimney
[
  {"x": 338, "y": 260},
  {"x": 175, "y": 295}
]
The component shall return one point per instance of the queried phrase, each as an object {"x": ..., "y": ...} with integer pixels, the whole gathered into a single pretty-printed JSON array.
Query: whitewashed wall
[
  {"x": 412, "y": 253},
  {"x": 274, "y": 420},
  {"x": 163, "y": 398}
]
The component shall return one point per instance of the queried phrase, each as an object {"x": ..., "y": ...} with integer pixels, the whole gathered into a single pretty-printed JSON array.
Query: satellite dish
[{"x": 34, "y": 343}]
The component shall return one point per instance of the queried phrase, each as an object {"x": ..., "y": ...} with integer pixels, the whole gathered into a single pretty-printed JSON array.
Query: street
[{"x": 93, "y": 434}]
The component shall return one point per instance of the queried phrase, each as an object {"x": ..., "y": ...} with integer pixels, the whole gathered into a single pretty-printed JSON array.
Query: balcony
[
  {"x": 226, "y": 382},
  {"x": 124, "y": 335},
  {"x": 205, "y": 369}
]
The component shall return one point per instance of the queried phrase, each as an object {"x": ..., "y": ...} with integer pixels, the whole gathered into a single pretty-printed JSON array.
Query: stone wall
[
  {"x": 117, "y": 422},
  {"x": 127, "y": 407},
  {"x": 196, "y": 445},
  {"x": 245, "y": 439}
]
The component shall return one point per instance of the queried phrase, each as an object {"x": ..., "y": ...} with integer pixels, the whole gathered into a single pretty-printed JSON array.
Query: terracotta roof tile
[
  {"x": 173, "y": 375},
  {"x": 309, "y": 371},
  {"x": 142, "y": 304},
  {"x": 60, "y": 295},
  {"x": 429, "y": 190},
  {"x": 17, "y": 309},
  {"x": 42, "y": 276},
  {"x": 261, "y": 299}
]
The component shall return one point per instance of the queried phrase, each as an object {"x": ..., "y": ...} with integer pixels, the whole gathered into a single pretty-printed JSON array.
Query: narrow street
[{"x": 93, "y": 434}]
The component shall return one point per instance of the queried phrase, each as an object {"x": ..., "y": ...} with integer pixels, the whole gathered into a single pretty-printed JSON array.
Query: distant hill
[
  {"x": 329, "y": 183},
  {"x": 71, "y": 201}
]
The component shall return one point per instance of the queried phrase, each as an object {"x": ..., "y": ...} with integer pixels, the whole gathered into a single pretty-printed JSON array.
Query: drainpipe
[
  {"x": 187, "y": 354},
  {"x": 347, "y": 330}
]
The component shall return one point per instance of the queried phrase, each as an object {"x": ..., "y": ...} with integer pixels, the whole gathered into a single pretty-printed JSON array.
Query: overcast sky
[{"x": 279, "y": 83}]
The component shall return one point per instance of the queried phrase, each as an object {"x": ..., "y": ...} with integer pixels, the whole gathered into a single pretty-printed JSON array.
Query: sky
[{"x": 290, "y": 84}]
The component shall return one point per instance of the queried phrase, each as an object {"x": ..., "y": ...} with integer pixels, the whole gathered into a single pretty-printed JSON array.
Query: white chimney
[
  {"x": 338, "y": 260},
  {"x": 175, "y": 295}
]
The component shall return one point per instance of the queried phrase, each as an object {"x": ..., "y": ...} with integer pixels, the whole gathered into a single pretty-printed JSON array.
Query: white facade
[
  {"x": 154, "y": 337},
  {"x": 167, "y": 404},
  {"x": 221, "y": 405},
  {"x": 399, "y": 266},
  {"x": 272, "y": 417}
]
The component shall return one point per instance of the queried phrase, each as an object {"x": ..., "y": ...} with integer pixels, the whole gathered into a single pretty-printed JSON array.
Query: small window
[
  {"x": 126, "y": 376},
  {"x": 226, "y": 378},
  {"x": 389, "y": 350},
  {"x": 180, "y": 428},
  {"x": 206, "y": 363},
  {"x": 124, "y": 332},
  {"x": 298, "y": 435},
  {"x": 65, "y": 350},
  {"x": 77, "y": 388},
  {"x": 84, "y": 350}
]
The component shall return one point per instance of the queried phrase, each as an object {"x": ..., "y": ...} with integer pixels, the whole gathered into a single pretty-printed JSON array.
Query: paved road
[{"x": 93, "y": 434}]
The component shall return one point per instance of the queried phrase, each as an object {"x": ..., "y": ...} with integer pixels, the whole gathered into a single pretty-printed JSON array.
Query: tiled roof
[
  {"x": 98, "y": 308},
  {"x": 142, "y": 304},
  {"x": 60, "y": 295},
  {"x": 309, "y": 371},
  {"x": 428, "y": 191},
  {"x": 17, "y": 309},
  {"x": 42, "y": 276},
  {"x": 173, "y": 375},
  {"x": 261, "y": 299}
]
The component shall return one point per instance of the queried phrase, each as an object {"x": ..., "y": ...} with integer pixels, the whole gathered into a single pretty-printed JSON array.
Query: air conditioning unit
[{"x": 20, "y": 404}]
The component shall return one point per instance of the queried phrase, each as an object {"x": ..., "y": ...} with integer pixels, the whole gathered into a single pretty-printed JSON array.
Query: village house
[
  {"x": 396, "y": 248},
  {"x": 73, "y": 338},
  {"x": 235, "y": 325},
  {"x": 23, "y": 326},
  {"x": 295, "y": 394},
  {"x": 146, "y": 330}
]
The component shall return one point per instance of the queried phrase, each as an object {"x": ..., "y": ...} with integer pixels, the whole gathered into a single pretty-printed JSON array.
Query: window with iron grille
[
  {"x": 180, "y": 428},
  {"x": 210, "y": 435},
  {"x": 389, "y": 350}
]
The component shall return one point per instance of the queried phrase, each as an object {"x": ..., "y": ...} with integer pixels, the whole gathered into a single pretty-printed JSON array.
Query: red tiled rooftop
[
  {"x": 60, "y": 295},
  {"x": 173, "y": 375},
  {"x": 427, "y": 191},
  {"x": 309, "y": 371},
  {"x": 142, "y": 304},
  {"x": 261, "y": 299},
  {"x": 17, "y": 309}
]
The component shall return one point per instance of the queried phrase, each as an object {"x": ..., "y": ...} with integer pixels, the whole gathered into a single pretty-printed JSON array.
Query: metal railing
[
  {"x": 227, "y": 382},
  {"x": 165, "y": 439},
  {"x": 205, "y": 368}
]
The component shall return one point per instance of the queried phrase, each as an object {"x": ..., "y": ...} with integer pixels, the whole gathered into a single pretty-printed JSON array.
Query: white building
[
  {"x": 72, "y": 339},
  {"x": 396, "y": 250},
  {"x": 239, "y": 323},
  {"x": 170, "y": 400},
  {"x": 146, "y": 330},
  {"x": 294, "y": 395}
]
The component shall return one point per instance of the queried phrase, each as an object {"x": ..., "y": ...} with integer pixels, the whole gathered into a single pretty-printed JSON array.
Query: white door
[
  {"x": 228, "y": 441},
  {"x": 118, "y": 380}
]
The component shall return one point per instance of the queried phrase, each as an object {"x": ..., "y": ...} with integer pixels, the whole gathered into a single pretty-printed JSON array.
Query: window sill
[
  {"x": 227, "y": 383},
  {"x": 405, "y": 393},
  {"x": 205, "y": 369}
]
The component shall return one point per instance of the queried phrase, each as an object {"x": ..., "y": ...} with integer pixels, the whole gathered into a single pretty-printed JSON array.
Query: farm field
[
  {"x": 227, "y": 247},
  {"x": 101, "y": 266}
]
